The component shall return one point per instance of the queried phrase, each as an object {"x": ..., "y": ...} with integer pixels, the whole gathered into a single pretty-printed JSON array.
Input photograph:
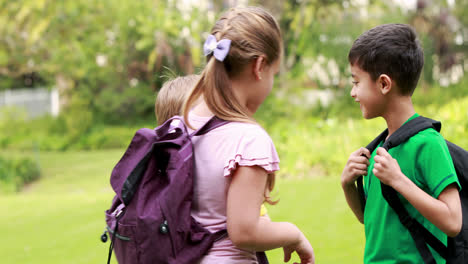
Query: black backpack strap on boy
[{"x": 373, "y": 145}]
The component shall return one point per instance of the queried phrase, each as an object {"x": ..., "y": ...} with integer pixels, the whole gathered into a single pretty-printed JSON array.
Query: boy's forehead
[{"x": 356, "y": 71}]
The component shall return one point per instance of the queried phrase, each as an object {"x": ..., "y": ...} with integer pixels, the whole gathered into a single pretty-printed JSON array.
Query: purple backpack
[{"x": 149, "y": 220}]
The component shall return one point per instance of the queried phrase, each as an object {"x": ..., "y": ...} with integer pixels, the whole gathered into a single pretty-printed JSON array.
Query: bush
[
  {"x": 11, "y": 124},
  {"x": 454, "y": 120},
  {"x": 17, "y": 172},
  {"x": 76, "y": 130},
  {"x": 315, "y": 147},
  {"x": 106, "y": 137}
]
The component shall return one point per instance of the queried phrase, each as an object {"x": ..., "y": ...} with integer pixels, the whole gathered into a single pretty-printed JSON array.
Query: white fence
[{"x": 35, "y": 102}]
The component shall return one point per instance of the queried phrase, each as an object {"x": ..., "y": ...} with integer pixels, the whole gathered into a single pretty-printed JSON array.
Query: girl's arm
[
  {"x": 445, "y": 212},
  {"x": 248, "y": 230}
]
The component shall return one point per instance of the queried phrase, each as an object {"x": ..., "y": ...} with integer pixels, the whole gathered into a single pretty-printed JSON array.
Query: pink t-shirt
[{"x": 217, "y": 154}]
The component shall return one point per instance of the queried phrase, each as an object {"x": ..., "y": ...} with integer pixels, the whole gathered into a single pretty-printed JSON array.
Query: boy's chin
[{"x": 368, "y": 116}]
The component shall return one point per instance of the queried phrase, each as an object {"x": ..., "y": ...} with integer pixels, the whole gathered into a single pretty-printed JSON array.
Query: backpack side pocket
[{"x": 124, "y": 239}]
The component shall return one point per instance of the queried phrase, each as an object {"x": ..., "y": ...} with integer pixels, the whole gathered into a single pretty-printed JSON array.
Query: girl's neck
[
  {"x": 399, "y": 111},
  {"x": 242, "y": 87}
]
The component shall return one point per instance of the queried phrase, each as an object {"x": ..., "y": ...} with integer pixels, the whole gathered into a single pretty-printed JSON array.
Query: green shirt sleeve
[{"x": 434, "y": 163}]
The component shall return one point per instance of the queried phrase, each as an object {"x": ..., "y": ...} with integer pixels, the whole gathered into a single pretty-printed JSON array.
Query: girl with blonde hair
[{"x": 235, "y": 163}]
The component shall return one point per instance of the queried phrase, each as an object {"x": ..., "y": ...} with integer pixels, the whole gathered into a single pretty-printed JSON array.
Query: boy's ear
[
  {"x": 385, "y": 83},
  {"x": 258, "y": 66}
]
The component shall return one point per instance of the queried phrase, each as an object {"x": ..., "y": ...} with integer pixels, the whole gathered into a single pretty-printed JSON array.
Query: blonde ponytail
[{"x": 253, "y": 33}]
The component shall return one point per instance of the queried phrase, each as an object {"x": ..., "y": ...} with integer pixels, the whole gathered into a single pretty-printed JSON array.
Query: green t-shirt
[{"x": 426, "y": 161}]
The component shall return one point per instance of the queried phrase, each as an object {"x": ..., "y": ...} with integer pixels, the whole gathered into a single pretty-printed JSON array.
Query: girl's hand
[
  {"x": 386, "y": 168},
  {"x": 304, "y": 251},
  {"x": 356, "y": 166}
]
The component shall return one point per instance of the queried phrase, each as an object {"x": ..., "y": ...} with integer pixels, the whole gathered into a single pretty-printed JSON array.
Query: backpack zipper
[
  {"x": 117, "y": 235},
  {"x": 167, "y": 231}
]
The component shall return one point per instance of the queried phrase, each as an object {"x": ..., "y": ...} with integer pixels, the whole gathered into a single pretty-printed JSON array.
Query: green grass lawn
[{"x": 60, "y": 218}]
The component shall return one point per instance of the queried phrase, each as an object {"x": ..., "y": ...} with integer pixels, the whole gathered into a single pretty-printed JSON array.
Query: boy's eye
[{"x": 355, "y": 83}]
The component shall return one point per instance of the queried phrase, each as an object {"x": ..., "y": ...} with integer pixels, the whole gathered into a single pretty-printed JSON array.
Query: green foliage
[
  {"x": 454, "y": 120},
  {"x": 112, "y": 56},
  {"x": 16, "y": 172},
  {"x": 22, "y": 134},
  {"x": 319, "y": 34},
  {"x": 438, "y": 96},
  {"x": 130, "y": 103},
  {"x": 11, "y": 120},
  {"x": 313, "y": 147},
  {"x": 109, "y": 55},
  {"x": 76, "y": 130},
  {"x": 77, "y": 118},
  {"x": 106, "y": 137}
]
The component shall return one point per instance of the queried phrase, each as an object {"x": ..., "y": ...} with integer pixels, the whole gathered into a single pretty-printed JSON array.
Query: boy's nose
[{"x": 353, "y": 92}]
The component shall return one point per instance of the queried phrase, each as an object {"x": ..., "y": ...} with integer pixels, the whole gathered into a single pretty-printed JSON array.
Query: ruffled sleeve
[{"x": 254, "y": 148}]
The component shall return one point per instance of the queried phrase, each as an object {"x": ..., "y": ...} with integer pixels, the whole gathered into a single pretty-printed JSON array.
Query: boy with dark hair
[{"x": 386, "y": 62}]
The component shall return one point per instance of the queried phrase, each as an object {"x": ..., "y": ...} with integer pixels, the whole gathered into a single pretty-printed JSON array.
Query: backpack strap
[
  {"x": 261, "y": 257},
  {"x": 359, "y": 181},
  {"x": 144, "y": 142},
  {"x": 213, "y": 123},
  {"x": 418, "y": 232},
  {"x": 408, "y": 130}
]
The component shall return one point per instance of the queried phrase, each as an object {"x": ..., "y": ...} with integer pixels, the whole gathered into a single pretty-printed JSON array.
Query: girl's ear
[
  {"x": 385, "y": 83},
  {"x": 257, "y": 67}
]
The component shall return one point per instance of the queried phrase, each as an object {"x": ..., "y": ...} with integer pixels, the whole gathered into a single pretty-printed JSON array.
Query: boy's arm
[
  {"x": 352, "y": 198},
  {"x": 355, "y": 167},
  {"x": 444, "y": 212}
]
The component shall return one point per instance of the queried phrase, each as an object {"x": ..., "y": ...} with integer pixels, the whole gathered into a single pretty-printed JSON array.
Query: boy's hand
[
  {"x": 386, "y": 168},
  {"x": 356, "y": 166}
]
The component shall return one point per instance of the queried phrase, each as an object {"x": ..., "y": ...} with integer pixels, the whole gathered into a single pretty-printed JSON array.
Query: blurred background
[{"x": 78, "y": 78}]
